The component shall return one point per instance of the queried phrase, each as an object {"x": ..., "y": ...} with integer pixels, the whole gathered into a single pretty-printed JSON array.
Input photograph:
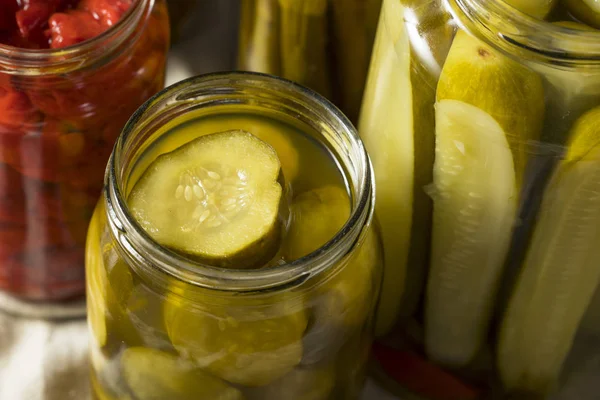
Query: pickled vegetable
[
  {"x": 259, "y": 36},
  {"x": 241, "y": 340},
  {"x": 535, "y": 8},
  {"x": 155, "y": 375},
  {"x": 341, "y": 303},
  {"x": 303, "y": 32},
  {"x": 560, "y": 274},
  {"x": 216, "y": 198},
  {"x": 398, "y": 130},
  {"x": 478, "y": 172},
  {"x": 587, "y": 11}
]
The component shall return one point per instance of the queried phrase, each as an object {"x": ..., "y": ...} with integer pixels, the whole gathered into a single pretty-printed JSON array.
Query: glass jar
[
  {"x": 483, "y": 123},
  {"x": 164, "y": 326},
  {"x": 322, "y": 44},
  {"x": 60, "y": 113}
]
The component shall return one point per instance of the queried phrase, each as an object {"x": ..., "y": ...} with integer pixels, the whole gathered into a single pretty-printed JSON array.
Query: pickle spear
[
  {"x": 561, "y": 271},
  {"x": 477, "y": 180},
  {"x": 397, "y": 126},
  {"x": 216, "y": 198},
  {"x": 155, "y": 375},
  {"x": 303, "y": 33},
  {"x": 259, "y": 36},
  {"x": 353, "y": 26}
]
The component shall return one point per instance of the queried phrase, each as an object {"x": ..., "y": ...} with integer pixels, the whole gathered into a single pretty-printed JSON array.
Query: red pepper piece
[
  {"x": 108, "y": 12},
  {"x": 72, "y": 27},
  {"x": 421, "y": 377},
  {"x": 16, "y": 108},
  {"x": 8, "y": 8}
]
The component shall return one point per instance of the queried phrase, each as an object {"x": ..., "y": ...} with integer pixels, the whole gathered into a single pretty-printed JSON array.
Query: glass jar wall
[
  {"x": 61, "y": 110},
  {"x": 297, "y": 324},
  {"x": 482, "y": 122},
  {"x": 322, "y": 44}
]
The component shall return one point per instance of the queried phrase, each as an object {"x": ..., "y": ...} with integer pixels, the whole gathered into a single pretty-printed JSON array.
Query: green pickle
[
  {"x": 154, "y": 375},
  {"x": 173, "y": 339}
]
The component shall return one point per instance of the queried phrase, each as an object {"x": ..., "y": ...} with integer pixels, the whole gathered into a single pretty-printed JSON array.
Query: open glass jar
[
  {"x": 60, "y": 113},
  {"x": 483, "y": 126},
  {"x": 322, "y": 44},
  {"x": 165, "y": 325}
]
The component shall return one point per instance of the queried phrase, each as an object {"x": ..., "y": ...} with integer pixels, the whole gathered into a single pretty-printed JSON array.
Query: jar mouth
[
  {"x": 19, "y": 61},
  {"x": 515, "y": 32},
  {"x": 141, "y": 249}
]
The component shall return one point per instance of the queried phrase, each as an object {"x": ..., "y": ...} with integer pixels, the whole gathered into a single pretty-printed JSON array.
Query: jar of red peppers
[{"x": 71, "y": 74}]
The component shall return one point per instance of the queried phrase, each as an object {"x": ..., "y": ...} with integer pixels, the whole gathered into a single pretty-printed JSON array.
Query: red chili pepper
[
  {"x": 72, "y": 27},
  {"x": 420, "y": 376}
]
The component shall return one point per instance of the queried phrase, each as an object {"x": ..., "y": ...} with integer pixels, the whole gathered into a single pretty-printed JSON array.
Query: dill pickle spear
[
  {"x": 259, "y": 40},
  {"x": 477, "y": 181},
  {"x": 216, "y": 198},
  {"x": 246, "y": 340},
  {"x": 155, "y": 375},
  {"x": 303, "y": 35},
  {"x": 561, "y": 271}
]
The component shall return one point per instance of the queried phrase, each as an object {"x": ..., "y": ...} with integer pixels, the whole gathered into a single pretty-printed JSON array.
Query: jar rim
[
  {"x": 20, "y": 61},
  {"x": 499, "y": 23},
  {"x": 138, "y": 245}
]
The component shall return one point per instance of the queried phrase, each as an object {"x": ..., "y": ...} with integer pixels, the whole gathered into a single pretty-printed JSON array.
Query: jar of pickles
[
  {"x": 71, "y": 74},
  {"x": 323, "y": 44},
  {"x": 233, "y": 255},
  {"x": 482, "y": 118}
]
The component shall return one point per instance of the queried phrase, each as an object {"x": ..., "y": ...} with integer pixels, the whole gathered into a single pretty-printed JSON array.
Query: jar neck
[
  {"x": 265, "y": 96},
  {"x": 525, "y": 37},
  {"x": 115, "y": 40}
]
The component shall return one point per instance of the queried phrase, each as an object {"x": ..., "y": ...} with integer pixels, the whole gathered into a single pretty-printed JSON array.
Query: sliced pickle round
[
  {"x": 155, "y": 375},
  {"x": 216, "y": 198},
  {"x": 587, "y": 11},
  {"x": 560, "y": 273},
  {"x": 248, "y": 340},
  {"x": 340, "y": 304},
  {"x": 299, "y": 384},
  {"x": 474, "y": 208}
]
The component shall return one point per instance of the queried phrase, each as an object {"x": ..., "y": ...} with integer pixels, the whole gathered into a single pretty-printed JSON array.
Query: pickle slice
[
  {"x": 474, "y": 208},
  {"x": 249, "y": 340},
  {"x": 215, "y": 198},
  {"x": 561, "y": 271},
  {"x": 341, "y": 303},
  {"x": 155, "y": 375}
]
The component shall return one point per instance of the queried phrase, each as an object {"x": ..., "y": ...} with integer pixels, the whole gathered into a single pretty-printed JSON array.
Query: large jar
[
  {"x": 60, "y": 113},
  {"x": 323, "y": 44},
  {"x": 483, "y": 124},
  {"x": 165, "y": 325}
]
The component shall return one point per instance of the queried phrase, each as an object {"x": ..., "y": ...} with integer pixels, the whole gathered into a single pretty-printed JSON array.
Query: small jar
[
  {"x": 164, "y": 326},
  {"x": 323, "y": 44},
  {"x": 60, "y": 113},
  {"x": 482, "y": 119}
]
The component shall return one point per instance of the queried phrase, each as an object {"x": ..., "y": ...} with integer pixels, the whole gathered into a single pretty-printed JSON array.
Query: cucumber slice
[
  {"x": 474, "y": 207},
  {"x": 249, "y": 340},
  {"x": 216, "y": 198},
  {"x": 340, "y": 304},
  {"x": 155, "y": 375},
  {"x": 561, "y": 271}
]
